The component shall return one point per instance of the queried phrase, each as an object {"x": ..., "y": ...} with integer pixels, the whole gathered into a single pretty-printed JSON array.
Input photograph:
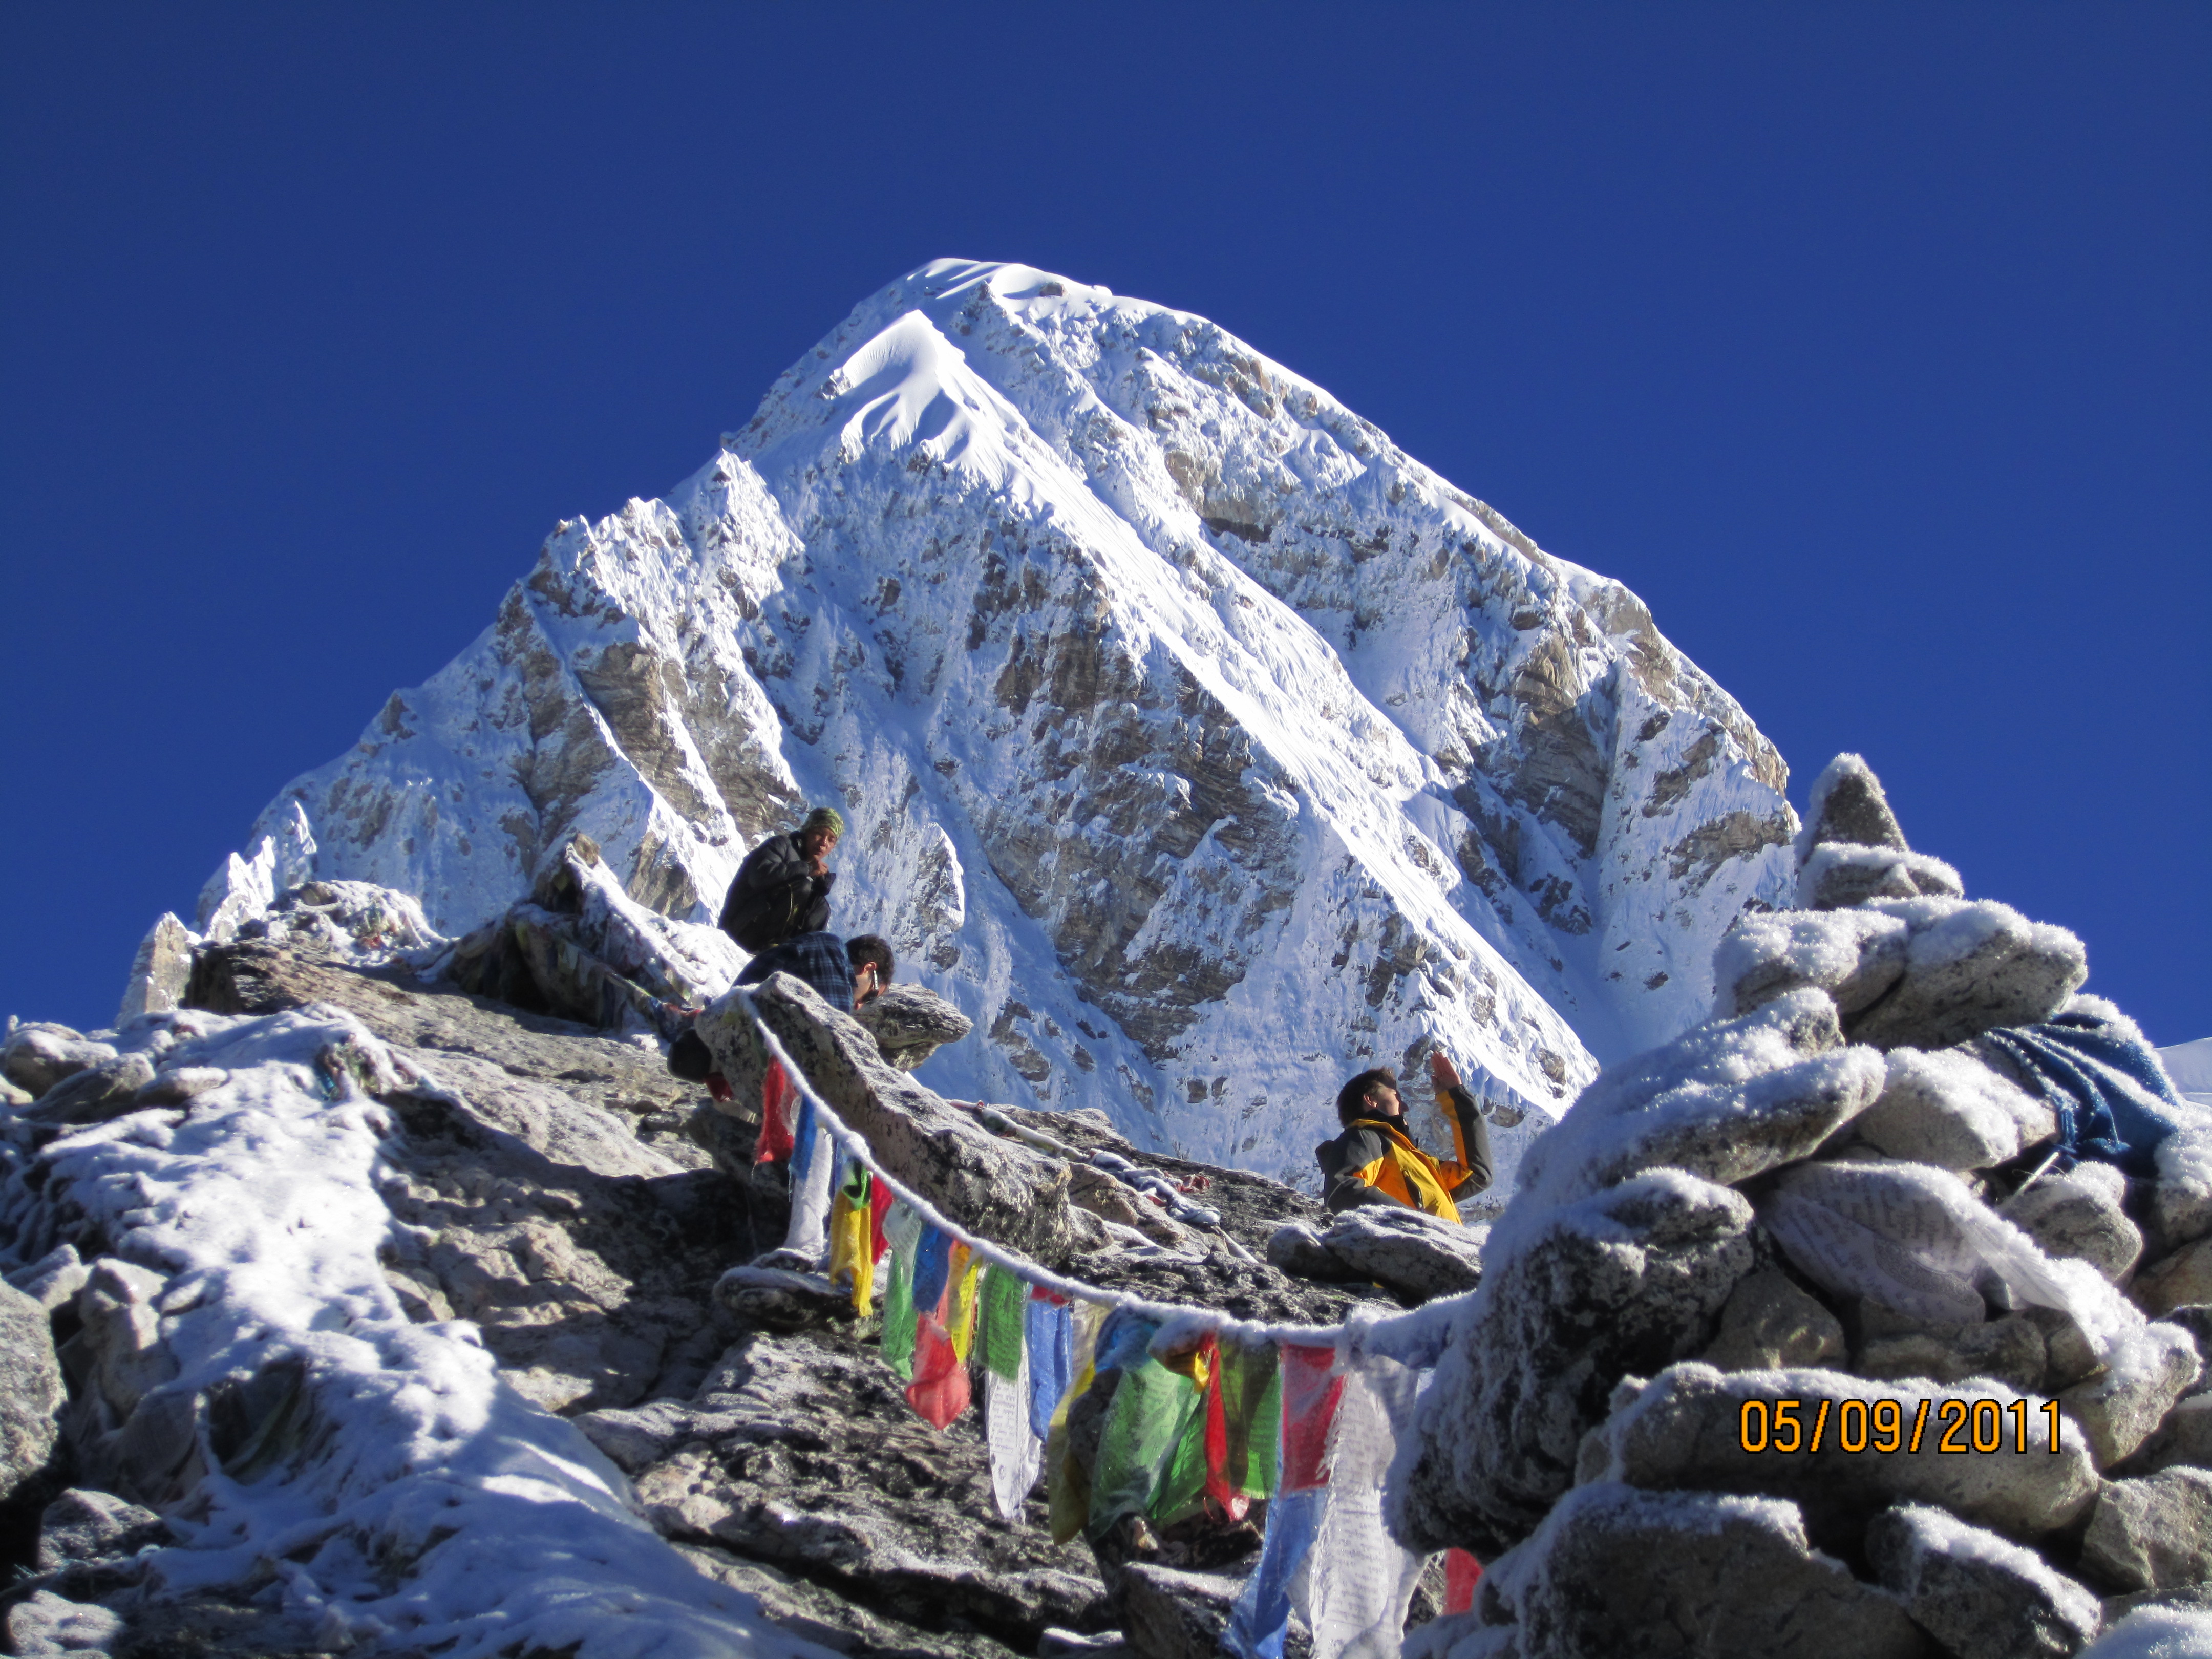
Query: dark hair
[
  {"x": 1352, "y": 1099},
  {"x": 871, "y": 947}
]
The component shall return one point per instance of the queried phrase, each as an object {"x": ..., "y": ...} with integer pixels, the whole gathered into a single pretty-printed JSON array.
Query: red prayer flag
[
  {"x": 778, "y": 1120},
  {"x": 939, "y": 1392},
  {"x": 880, "y": 1200},
  {"x": 1310, "y": 1394},
  {"x": 1462, "y": 1572}
]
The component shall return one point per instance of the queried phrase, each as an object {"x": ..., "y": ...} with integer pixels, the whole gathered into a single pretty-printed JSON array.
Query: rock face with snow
[
  {"x": 1747, "y": 1264},
  {"x": 1196, "y": 742}
]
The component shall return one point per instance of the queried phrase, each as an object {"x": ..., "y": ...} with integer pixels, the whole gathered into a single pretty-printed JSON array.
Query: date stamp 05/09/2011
[{"x": 1964, "y": 1426}]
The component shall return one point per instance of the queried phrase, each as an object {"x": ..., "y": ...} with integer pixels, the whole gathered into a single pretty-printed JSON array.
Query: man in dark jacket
[
  {"x": 782, "y": 889},
  {"x": 848, "y": 973},
  {"x": 1375, "y": 1161}
]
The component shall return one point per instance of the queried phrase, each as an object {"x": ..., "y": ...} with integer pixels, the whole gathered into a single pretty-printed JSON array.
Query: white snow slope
[{"x": 1199, "y": 744}]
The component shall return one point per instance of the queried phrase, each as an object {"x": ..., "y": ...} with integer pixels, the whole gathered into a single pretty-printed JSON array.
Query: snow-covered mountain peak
[{"x": 1204, "y": 746}]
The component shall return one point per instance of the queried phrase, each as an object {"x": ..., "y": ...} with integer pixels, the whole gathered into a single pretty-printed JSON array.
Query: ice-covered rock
[
  {"x": 158, "y": 971},
  {"x": 1836, "y": 876},
  {"x": 89, "y": 1526},
  {"x": 1855, "y": 956},
  {"x": 1683, "y": 1575},
  {"x": 1979, "y": 1595},
  {"x": 2153, "y": 1532},
  {"x": 1969, "y": 967},
  {"x": 2080, "y": 1214},
  {"x": 1685, "y": 1430},
  {"x": 39, "y": 1055},
  {"x": 30, "y": 1390},
  {"x": 1621, "y": 1282},
  {"x": 1769, "y": 1323},
  {"x": 1947, "y": 1108},
  {"x": 1847, "y": 805}
]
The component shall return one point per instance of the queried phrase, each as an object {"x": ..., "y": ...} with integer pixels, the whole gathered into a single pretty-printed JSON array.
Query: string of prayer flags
[
  {"x": 1048, "y": 1339},
  {"x": 852, "y": 1252},
  {"x": 1226, "y": 1457}
]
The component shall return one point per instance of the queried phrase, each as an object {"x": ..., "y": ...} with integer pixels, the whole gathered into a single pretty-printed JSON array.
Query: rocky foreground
[{"x": 541, "y": 1181}]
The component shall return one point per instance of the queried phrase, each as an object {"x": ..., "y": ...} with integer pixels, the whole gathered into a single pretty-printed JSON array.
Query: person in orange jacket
[{"x": 1375, "y": 1161}]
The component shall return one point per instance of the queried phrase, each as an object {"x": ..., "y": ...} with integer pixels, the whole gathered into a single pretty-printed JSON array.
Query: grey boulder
[
  {"x": 1979, "y": 1595},
  {"x": 910, "y": 1022},
  {"x": 1948, "y": 1109},
  {"x": 1417, "y": 1255},
  {"x": 1768, "y": 1321},
  {"x": 1621, "y": 1282},
  {"x": 2079, "y": 1215},
  {"x": 1639, "y": 1575},
  {"x": 1168, "y": 1614},
  {"x": 31, "y": 1392},
  {"x": 92, "y": 1526},
  {"x": 1969, "y": 968},
  {"x": 2153, "y": 1533}
]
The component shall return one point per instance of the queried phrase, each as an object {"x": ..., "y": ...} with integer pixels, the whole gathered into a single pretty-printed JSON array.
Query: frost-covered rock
[
  {"x": 2011, "y": 1350},
  {"x": 2120, "y": 1407},
  {"x": 1727, "y": 1101},
  {"x": 1970, "y": 967},
  {"x": 1979, "y": 1595},
  {"x": 54, "y": 1279},
  {"x": 1684, "y": 1430},
  {"x": 1947, "y": 1108},
  {"x": 158, "y": 971},
  {"x": 1854, "y": 956},
  {"x": 96, "y": 1093},
  {"x": 2080, "y": 1214},
  {"x": 1624, "y": 1281},
  {"x": 2153, "y": 1533},
  {"x": 1168, "y": 1614},
  {"x": 1768, "y": 1323},
  {"x": 1836, "y": 876},
  {"x": 44, "y": 1623},
  {"x": 90, "y": 1526},
  {"x": 39, "y": 1055},
  {"x": 1617, "y": 1570},
  {"x": 1847, "y": 806},
  {"x": 30, "y": 1390}
]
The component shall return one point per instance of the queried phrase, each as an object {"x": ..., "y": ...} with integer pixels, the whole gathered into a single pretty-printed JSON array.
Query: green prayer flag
[
  {"x": 1252, "y": 1401},
  {"x": 898, "y": 1316},
  {"x": 1005, "y": 1298},
  {"x": 1151, "y": 1409}
]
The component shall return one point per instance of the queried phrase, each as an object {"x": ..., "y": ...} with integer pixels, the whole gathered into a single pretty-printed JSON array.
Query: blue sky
[{"x": 1871, "y": 344}]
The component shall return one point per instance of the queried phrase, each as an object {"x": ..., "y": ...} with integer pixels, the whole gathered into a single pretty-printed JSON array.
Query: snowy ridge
[
  {"x": 423, "y": 1500},
  {"x": 1201, "y": 745}
]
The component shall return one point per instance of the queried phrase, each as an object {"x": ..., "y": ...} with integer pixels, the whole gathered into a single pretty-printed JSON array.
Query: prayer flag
[
  {"x": 1462, "y": 1572},
  {"x": 1151, "y": 1409},
  {"x": 1004, "y": 1298},
  {"x": 778, "y": 1100},
  {"x": 903, "y": 1232},
  {"x": 1311, "y": 1390},
  {"x": 1067, "y": 1485},
  {"x": 850, "y": 1264},
  {"x": 1048, "y": 1333},
  {"x": 1017, "y": 1455},
  {"x": 932, "y": 1267},
  {"x": 967, "y": 1271},
  {"x": 939, "y": 1392}
]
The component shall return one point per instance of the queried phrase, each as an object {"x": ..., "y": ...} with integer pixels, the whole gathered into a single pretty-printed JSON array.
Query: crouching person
[{"x": 1375, "y": 1161}]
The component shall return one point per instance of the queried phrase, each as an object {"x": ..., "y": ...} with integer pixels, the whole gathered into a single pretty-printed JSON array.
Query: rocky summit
[{"x": 443, "y": 1255}]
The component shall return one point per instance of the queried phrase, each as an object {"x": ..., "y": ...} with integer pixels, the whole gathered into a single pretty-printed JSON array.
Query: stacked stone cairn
[{"x": 1832, "y": 1193}]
